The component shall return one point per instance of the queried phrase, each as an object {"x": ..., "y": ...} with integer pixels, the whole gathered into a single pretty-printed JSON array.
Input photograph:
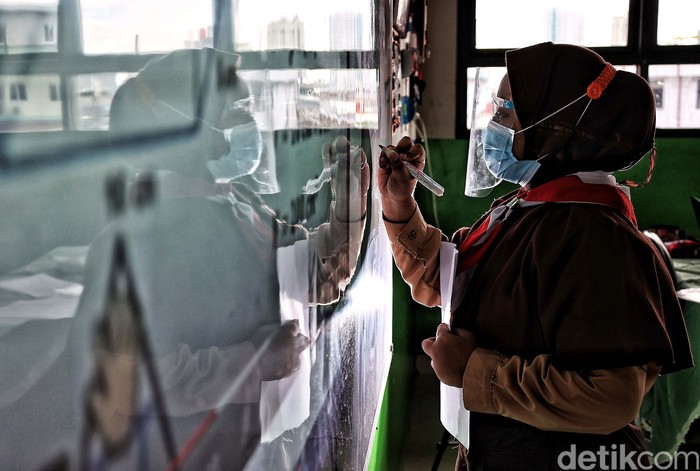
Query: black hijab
[{"x": 615, "y": 131}]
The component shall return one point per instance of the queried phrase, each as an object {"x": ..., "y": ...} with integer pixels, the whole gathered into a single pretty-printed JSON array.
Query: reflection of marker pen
[{"x": 422, "y": 178}]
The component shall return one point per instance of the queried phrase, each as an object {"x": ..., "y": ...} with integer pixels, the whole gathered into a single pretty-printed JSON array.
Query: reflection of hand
[
  {"x": 396, "y": 185},
  {"x": 282, "y": 347},
  {"x": 349, "y": 180},
  {"x": 450, "y": 353}
]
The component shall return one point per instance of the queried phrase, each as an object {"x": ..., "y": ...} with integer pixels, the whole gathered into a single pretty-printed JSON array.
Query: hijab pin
[{"x": 596, "y": 88}]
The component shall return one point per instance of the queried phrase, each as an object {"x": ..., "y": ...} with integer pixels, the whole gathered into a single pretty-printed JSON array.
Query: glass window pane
[
  {"x": 231, "y": 230},
  {"x": 678, "y": 22},
  {"x": 676, "y": 89},
  {"x": 92, "y": 95},
  {"x": 499, "y": 23},
  {"x": 315, "y": 25},
  {"x": 302, "y": 99},
  {"x": 32, "y": 106},
  {"x": 111, "y": 26},
  {"x": 28, "y": 26},
  {"x": 248, "y": 264}
]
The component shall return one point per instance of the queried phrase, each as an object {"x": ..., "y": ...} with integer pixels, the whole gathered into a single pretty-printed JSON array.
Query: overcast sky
[{"x": 112, "y": 25}]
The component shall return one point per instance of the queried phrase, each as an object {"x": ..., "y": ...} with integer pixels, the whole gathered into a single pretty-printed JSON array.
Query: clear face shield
[
  {"x": 479, "y": 179},
  {"x": 490, "y": 159}
]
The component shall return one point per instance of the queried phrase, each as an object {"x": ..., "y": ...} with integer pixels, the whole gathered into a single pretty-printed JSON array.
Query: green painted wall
[{"x": 666, "y": 200}]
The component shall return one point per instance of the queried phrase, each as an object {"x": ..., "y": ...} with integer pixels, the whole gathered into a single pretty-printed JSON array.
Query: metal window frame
[
  {"x": 641, "y": 51},
  {"x": 70, "y": 60}
]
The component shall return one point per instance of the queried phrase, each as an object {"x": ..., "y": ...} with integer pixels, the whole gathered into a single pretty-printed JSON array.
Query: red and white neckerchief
[{"x": 568, "y": 189}]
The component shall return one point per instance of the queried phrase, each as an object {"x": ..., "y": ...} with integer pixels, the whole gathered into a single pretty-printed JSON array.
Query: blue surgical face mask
[
  {"x": 245, "y": 151},
  {"x": 499, "y": 158}
]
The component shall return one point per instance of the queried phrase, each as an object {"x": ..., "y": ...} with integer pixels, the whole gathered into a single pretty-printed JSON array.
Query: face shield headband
[{"x": 490, "y": 159}]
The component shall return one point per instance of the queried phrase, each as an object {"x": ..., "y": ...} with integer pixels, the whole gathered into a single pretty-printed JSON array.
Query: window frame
[
  {"x": 69, "y": 61},
  {"x": 49, "y": 33},
  {"x": 54, "y": 94},
  {"x": 18, "y": 91},
  {"x": 641, "y": 51}
]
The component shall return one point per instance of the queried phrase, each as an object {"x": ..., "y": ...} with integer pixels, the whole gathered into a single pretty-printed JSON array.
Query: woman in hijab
[
  {"x": 204, "y": 259},
  {"x": 563, "y": 313}
]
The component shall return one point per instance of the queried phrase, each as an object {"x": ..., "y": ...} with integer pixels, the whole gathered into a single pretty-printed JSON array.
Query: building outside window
[
  {"x": 18, "y": 92},
  {"x": 658, "y": 89},
  {"x": 53, "y": 92},
  {"x": 657, "y": 39},
  {"x": 48, "y": 33}
]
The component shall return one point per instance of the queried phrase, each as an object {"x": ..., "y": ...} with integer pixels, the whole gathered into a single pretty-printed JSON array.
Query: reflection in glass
[
  {"x": 676, "y": 88},
  {"x": 190, "y": 301},
  {"x": 312, "y": 25},
  {"x": 305, "y": 99},
  {"x": 30, "y": 103},
  {"x": 112, "y": 27},
  {"x": 28, "y": 26},
  {"x": 239, "y": 334},
  {"x": 513, "y": 23},
  {"x": 92, "y": 95},
  {"x": 200, "y": 281},
  {"x": 678, "y": 23}
]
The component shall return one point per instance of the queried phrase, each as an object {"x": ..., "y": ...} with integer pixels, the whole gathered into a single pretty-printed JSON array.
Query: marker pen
[{"x": 422, "y": 178}]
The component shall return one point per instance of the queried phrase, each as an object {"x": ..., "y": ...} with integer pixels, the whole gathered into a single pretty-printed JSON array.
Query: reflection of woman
[
  {"x": 225, "y": 162},
  {"x": 565, "y": 314},
  {"x": 203, "y": 255}
]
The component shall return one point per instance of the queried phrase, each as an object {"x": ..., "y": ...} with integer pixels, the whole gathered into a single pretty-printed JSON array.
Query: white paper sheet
[
  {"x": 689, "y": 294},
  {"x": 453, "y": 415},
  {"x": 40, "y": 286},
  {"x": 285, "y": 404}
]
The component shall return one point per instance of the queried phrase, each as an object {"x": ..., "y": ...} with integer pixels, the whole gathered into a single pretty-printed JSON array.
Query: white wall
[{"x": 440, "y": 70}]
